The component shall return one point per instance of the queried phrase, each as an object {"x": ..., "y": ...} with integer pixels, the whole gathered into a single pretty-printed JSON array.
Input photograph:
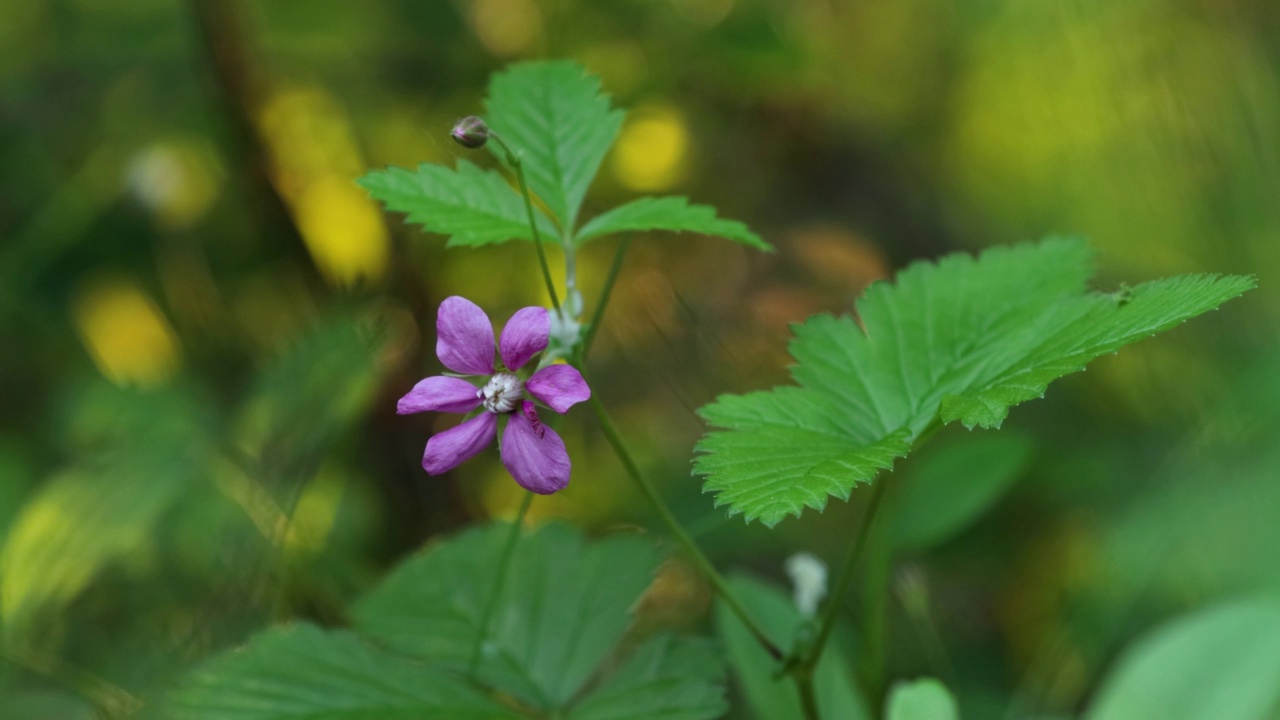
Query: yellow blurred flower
[
  {"x": 125, "y": 333},
  {"x": 652, "y": 150}
]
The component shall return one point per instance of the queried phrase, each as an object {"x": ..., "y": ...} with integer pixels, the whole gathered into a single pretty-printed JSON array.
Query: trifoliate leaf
[
  {"x": 470, "y": 205},
  {"x": 305, "y": 673},
  {"x": 963, "y": 339},
  {"x": 673, "y": 214},
  {"x": 553, "y": 115},
  {"x": 924, "y": 699},
  {"x": 673, "y": 678},
  {"x": 565, "y": 605}
]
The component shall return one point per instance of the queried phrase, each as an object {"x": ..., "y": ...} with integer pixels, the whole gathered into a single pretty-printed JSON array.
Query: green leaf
[
  {"x": 951, "y": 486},
  {"x": 963, "y": 339},
  {"x": 553, "y": 115},
  {"x": 772, "y": 697},
  {"x": 565, "y": 605},
  {"x": 472, "y": 206},
  {"x": 668, "y": 677},
  {"x": 924, "y": 699},
  {"x": 304, "y": 673},
  {"x": 668, "y": 213},
  {"x": 1222, "y": 663}
]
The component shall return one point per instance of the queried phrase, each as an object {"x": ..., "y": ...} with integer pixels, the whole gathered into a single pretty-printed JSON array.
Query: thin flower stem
[
  {"x": 605, "y": 293},
  {"x": 699, "y": 559},
  {"x": 508, "y": 551},
  {"x": 518, "y": 165}
]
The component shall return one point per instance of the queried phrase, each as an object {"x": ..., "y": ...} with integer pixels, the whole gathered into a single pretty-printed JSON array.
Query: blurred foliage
[{"x": 206, "y": 323}]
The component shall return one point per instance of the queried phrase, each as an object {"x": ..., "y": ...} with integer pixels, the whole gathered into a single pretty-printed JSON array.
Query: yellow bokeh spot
[
  {"x": 125, "y": 333},
  {"x": 314, "y": 164},
  {"x": 506, "y": 27},
  {"x": 315, "y": 514},
  {"x": 342, "y": 229},
  {"x": 652, "y": 150}
]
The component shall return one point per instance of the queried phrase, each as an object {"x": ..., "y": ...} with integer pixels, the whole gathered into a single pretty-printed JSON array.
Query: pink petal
[
  {"x": 525, "y": 335},
  {"x": 560, "y": 386},
  {"x": 533, "y": 453},
  {"x": 464, "y": 337},
  {"x": 447, "y": 450},
  {"x": 440, "y": 394}
]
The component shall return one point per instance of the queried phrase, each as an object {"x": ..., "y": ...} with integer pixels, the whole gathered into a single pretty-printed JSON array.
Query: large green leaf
[
  {"x": 1222, "y": 663},
  {"x": 772, "y": 697},
  {"x": 472, "y": 206},
  {"x": 925, "y": 699},
  {"x": 565, "y": 605},
  {"x": 554, "y": 116},
  {"x": 304, "y": 673},
  {"x": 673, "y": 678},
  {"x": 673, "y": 214},
  {"x": 963, "y": 339}
]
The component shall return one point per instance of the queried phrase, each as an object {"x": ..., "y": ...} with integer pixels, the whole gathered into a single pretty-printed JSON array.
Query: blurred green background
[{"x": 205, "y": 323}]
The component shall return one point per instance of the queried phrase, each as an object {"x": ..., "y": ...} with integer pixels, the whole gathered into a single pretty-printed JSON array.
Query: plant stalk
[
  {"x": 504, "y": 562},
  {"x": 808, "y": 698},
  {"x": 699, "y": 559},
  {"x": 835, "y": 601},
  {"x": 615, "y": 268},
  {"x": 518, "y": 165}
]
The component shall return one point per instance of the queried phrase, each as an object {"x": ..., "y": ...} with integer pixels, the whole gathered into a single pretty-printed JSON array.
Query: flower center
[{"x": 502, "y": 393}]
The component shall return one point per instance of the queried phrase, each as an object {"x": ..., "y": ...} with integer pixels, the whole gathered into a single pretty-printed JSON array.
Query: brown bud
[{"x": 470, "y": 132}]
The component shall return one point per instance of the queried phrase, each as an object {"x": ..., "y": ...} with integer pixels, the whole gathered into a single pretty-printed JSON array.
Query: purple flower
[{"x": 532, "y": 452}]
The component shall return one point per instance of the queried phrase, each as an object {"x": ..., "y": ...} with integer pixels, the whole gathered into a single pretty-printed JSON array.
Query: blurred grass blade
[{"x": 951, "y": 486}]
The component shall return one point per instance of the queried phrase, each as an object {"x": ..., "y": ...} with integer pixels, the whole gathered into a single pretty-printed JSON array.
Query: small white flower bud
[{"x": 809, "y": 577}]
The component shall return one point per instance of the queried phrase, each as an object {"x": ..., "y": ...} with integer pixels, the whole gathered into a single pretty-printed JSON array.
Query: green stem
[
  {"x": 605, "y": 293},
  {"x": 808, "y": 698},
  {"x": 835, "y": 602},
  {"x": 518, "y": 165},
  {"x": 699, "y": 559},
  {"x": 874, "y": 607},
  {"x": 503, "y": 562}
]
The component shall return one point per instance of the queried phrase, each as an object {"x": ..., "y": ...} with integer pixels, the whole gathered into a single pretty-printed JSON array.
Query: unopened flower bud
[
  {"x": 809, "y": 576},
  {"x": 470, "y": 132}
]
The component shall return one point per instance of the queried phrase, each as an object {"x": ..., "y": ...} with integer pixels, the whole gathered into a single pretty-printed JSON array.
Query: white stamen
[{"x": 502, "y": 393}]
